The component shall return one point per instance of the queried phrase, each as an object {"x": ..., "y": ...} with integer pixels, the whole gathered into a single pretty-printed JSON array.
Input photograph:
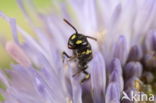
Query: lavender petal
[
  {"x": 98, "y": 78},
  {"x": 135, "y": 54},
  {"x": 120, "y": 50},
  {"x": 133, "y": 69},
  {"x": 112, "y": 93}
]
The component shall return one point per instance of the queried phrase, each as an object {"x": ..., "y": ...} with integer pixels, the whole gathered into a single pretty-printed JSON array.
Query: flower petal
[
  {"x": 120, "y": 50},
  {"x": 135, "y": 54},
  {"x": 98, "y": 77},
  {"x": 133, "y": 69},
  {"x": 112, "y": 93},
  {"x": 116, "y": 74},
  {"x": 17, "y": 54}
]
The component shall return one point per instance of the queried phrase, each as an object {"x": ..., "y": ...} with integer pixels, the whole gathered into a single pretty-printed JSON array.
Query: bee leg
[
  {"x": 65, "y": 54},
  {"x": 80, "y": 69},
  {"x": 72, "y": 58},
  {"x": 77, "y": 73},
  {"x": 87, "y": 76}
]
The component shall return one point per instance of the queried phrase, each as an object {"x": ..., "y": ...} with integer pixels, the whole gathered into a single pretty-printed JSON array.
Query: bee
[{"x": 82, "y": 51}]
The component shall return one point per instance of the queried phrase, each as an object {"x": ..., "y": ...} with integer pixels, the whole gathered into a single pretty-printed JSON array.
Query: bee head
[
  {"x": 76, "y": 40},
  {"x": 71, "y": 41}
]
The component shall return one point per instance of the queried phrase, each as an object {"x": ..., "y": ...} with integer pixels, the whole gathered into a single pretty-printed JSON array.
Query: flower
[{"x": 124, "y": 55}]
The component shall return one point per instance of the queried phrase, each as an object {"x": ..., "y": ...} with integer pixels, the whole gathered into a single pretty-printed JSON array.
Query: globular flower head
[{"x": 123, "y": 55}]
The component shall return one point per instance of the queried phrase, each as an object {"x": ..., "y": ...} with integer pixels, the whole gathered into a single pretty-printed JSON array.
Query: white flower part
[{"x": 17, "y": 54}]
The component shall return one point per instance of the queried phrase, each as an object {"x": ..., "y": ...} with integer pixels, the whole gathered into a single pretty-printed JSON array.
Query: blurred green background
[{"x": 11, "y": 8}]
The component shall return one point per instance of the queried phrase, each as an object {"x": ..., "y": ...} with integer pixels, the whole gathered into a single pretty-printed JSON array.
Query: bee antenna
[{"x": 70, "y": 25}]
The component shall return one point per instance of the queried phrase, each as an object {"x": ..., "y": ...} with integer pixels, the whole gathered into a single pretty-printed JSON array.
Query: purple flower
[{"x": 124, "y": 55}]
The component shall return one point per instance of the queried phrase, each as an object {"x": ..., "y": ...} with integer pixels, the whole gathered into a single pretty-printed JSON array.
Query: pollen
[
  {"x": 88, "y": 76},
  {"x": 78, "y": 41},
  {"x": 138, "y": 85},
  {"x": 73, "y": 37}
]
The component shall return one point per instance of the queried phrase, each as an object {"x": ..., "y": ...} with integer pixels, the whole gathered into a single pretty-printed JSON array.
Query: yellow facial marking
[
  {"x": 88, "y": 51},
  {"x": 78, "y": 41},
  {"x": 73, "y": 37}
]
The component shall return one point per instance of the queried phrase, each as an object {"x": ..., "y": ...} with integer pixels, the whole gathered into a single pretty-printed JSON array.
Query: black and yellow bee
[{"x": 82, "y": 51}]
